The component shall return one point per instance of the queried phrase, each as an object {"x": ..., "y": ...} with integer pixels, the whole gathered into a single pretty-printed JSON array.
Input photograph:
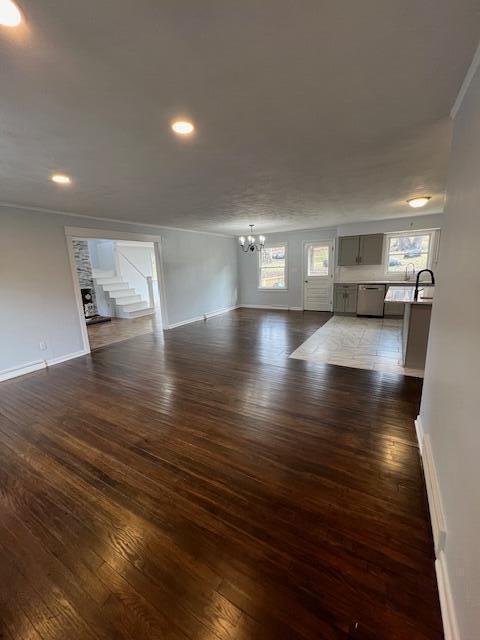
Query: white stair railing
[
  {"x": 151, "y": 300},
  {"x": 148, "y": 279}
]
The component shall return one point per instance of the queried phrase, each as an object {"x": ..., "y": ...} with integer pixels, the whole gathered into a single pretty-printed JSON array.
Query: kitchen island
[{"x": 416, "y": 322}]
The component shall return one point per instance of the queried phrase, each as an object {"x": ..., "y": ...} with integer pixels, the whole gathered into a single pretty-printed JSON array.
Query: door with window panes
[{"x": 318, "y": 277}]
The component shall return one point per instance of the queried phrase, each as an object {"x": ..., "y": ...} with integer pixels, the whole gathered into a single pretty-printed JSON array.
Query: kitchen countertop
[
  {"x": 403, "y": 283},
  {"x": 405, "y": 294}
]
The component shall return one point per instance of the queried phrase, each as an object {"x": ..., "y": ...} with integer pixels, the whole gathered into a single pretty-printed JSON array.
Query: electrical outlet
[{"x": 43, "y": 346}]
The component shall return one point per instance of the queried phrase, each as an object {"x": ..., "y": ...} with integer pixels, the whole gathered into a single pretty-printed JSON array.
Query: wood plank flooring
[
  {"x": 200, "y": 485},
  {"x": 119, "y": 329}
]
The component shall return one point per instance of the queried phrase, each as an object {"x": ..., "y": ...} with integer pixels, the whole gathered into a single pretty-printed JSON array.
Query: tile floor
[{"x": 363, "y": 343}]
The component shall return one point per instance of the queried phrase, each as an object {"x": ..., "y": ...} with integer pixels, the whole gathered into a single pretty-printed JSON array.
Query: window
[
  {"x": 272, "y": 267},
  {"x": 317, "y": 262},
  {"x": 409, "y": 248}
]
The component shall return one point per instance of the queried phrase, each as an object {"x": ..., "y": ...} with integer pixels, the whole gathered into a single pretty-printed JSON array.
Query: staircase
[{"x": 124, "y": 300}]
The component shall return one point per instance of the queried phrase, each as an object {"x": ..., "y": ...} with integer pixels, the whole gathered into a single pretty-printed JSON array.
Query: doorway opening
[{"x": 118, "y": 288}]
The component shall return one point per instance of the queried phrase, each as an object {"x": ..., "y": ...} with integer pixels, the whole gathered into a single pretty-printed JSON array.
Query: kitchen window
[
  {"x": 272, "y": 267},
  {"x": 410, "y": 248}
]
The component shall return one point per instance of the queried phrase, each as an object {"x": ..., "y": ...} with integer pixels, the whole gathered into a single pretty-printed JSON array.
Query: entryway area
[{"x": 118, "y": 288}]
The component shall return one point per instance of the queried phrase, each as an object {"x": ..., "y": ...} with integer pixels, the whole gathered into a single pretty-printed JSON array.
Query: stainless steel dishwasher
[{"x": 371, "y": 298}]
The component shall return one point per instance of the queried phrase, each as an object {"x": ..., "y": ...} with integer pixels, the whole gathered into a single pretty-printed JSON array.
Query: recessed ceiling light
[
  {"x": 183, "y": 127},
  {"x": 60, "y": 178},
  {"x": 10, "y": 15},
  {"x": 418, "y": 202}
]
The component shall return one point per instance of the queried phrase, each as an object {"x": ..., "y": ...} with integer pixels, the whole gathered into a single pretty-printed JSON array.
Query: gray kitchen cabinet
[
  {"x": 345, "y": 298},
  {"x": 351, "y": 300},
  {"x": 355, "y": 250},
  {"x": 339, "y": 300},
  {"x": 371, "y": 249},
  {"x": 348, "y": 248}
]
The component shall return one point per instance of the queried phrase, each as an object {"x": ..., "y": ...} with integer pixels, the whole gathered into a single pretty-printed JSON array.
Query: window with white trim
[
  {"x": 272, "y": 267},
  {"x": 409, "y": 248}
]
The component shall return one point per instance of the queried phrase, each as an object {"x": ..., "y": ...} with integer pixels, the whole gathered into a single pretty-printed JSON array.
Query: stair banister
[
  {"x": 149, "y": 279},
  {"x": 151, "y": 300}
]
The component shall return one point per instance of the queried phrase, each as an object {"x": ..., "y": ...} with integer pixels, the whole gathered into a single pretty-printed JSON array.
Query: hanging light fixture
[{"x": 250, "y": 244}]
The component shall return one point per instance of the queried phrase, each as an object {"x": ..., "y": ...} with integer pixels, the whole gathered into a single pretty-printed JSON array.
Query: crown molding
[
  {"x": 12, "y": 205},
  {"x": 466, "y": 83}
]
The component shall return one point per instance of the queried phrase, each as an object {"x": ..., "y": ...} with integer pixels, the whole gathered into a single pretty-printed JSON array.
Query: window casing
[
  {"x": 273, "y": 267},
  {"x": 409, "y": 248}
]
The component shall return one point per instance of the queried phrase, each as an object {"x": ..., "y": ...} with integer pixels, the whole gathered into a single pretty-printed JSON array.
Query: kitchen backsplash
[{"x": 374, "y": 272}]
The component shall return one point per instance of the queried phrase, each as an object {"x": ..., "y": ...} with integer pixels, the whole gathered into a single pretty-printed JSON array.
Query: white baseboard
[
  {"x": 190, "y": 320},
  {"x": 419, "y": 431},
  {"x": 6, "y": 374},
  {"x": 450, "y": 626},
  {"x": 439, "y": 529},
  {"x": 437, "y": 514},
  {"x": 30, "y": 367},
  {"x": 279, "y": 307},
  {"x": 70, "y": 356},
  {"x": 264, "y": 306},
  {"x": 209, "y": 314},
  {"x": 212, "y": 314}
]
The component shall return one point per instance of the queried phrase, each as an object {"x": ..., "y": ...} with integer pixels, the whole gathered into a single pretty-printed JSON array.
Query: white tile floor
[{"x": 363, "y": 343}]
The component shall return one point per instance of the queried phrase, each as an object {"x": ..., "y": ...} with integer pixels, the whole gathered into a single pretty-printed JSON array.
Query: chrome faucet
[
  {"x": 415, "y": 296},
  {"x": 407, "y": 275}
]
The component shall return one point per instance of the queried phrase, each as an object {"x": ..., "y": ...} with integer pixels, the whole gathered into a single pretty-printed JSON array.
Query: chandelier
[{"x": 250, "y": 244}]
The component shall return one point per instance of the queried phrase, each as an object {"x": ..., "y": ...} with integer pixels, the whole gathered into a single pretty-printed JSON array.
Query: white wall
[
  {"x": 293, "y": 297},
  {"x": 419, "y": 221},
  {"x": 37, "y": 299},
  {"x": 450, "y": 403},
  {"x": 36, "y": 294},
  {"x": 102, "y": 254}
]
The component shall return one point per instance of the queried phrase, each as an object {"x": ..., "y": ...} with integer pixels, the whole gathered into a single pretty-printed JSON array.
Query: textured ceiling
[{"x": 308, "y": 113}]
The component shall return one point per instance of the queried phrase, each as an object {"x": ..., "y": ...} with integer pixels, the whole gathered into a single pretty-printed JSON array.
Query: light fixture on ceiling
[
  {"x": 183, "y": 127},
  {"x": 250, "y": 243},
  {"x": 60, "y": 178},
  {"x": 418, "y": 201},
  {"x": 10, "y": 15}
]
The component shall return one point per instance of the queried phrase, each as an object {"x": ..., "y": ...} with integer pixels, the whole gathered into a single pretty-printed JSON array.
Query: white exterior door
[{"x": 318, "y": 276}]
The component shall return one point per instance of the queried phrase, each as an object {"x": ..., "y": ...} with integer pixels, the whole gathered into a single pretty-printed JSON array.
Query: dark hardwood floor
[
  {"x": 119, "y": 329},
  {"x": 203, "y": 486}
]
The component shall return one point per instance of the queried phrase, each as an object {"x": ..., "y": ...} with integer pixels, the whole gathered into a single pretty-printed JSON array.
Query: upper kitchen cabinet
[
  {"x": 371, "y": 249},
  {"x": 355, "y": 250},
  {"x": 348, "y": 250}
]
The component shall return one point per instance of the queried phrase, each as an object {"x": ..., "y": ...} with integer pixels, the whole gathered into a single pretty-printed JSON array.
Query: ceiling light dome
[
  {"x": 10, "y": 15},
  {"x": 183, "y": 127},
  {"x": 418, "y": 201},
  {"x": 60, "y": 178}
]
